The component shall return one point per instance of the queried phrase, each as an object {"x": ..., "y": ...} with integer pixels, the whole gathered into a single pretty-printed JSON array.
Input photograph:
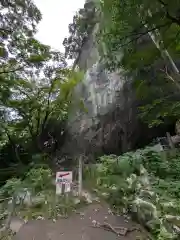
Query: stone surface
[
  {"x": 26, "y": 196},
  {"x": 108, "y": 105},
  {"x": 16, "y": 224},
  {"x": 79, "y": 226}
]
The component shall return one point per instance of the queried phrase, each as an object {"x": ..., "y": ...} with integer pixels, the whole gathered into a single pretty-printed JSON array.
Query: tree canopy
[
  {"x": 35, "y": 92},
  {"x": 142, "y": 37}
]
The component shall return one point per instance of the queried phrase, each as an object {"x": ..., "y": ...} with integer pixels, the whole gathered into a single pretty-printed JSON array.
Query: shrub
[
  {"x": 39, "y": 179},
  {"x": 12, "y": 186},
  {"x": 142, "y": 183}
]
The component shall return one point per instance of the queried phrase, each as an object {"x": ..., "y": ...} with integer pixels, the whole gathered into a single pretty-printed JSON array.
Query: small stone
[
  {"x": 110, "y": 212},
  {"x": 94, "y": 222},
  {"x": 40, "y": 218}
]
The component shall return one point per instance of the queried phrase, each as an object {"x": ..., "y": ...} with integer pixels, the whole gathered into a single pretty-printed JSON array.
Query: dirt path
[{"x": 78, "y": 227}]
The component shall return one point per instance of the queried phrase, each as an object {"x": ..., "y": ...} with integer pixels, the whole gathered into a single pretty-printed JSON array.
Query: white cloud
[{"x": 57, "y": 14}]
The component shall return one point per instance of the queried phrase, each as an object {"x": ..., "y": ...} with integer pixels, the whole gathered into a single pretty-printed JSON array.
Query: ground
[{"x": 79, "y": 227}]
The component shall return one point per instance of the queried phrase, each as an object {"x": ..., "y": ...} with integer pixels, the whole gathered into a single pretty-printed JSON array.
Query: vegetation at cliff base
[{"x": 141, "y": 184}]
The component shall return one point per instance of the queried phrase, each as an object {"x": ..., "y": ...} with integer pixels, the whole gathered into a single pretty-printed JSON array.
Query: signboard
[{"x": 63, "y": 182}]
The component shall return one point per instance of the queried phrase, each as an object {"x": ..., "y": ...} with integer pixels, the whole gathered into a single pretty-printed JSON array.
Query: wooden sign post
[{"x": 63, "y": 182}]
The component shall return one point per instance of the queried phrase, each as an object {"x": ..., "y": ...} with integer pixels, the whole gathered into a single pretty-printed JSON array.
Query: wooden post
[
  {"x": 80, "y": 176},
  {"x": 171, "y": 144}
]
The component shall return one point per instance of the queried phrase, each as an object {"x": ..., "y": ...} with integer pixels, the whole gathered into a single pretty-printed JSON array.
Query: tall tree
[{"x": 36, "y": 86}]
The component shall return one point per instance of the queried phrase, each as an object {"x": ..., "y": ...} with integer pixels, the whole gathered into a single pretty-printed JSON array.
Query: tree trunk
[{"x": 80, "y": 176}]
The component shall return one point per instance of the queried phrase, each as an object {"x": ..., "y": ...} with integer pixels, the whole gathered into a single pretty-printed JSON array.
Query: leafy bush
[
  {"x": 145, "y": 185},
  {"x": 164, "y": 169},
  {"x": 12, "y": 186},
  {"x": 39, "y": 179},
  {"x": 35, "y": 197}
]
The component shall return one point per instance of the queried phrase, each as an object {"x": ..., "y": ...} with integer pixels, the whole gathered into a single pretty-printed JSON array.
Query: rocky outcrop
[
  {"x": 111, "y": 123},
  {"x": 109, "y": 100}
]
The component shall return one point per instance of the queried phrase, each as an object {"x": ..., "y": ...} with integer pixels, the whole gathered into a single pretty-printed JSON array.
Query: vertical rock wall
[
  {"x": 110, "y": 124},
  {"x": 99, "y": 129}
]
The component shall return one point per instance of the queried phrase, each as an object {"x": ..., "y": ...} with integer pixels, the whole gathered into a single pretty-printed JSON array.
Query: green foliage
[
  {"x": 39, "y": 179},
  {"x": 40, "y": 110},
  {"x": 124, "y": 34},
  {"x": 11, "y": 187},
  {"x": 123, "y": 23},
  {"x": 143, "y": 184},
  {"x": 35, "y": 93},
  {"x": 35, "y": 197}
]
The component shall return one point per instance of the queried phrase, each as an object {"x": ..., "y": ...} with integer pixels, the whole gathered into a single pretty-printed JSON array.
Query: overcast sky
[{"x": 57, "y": 14}]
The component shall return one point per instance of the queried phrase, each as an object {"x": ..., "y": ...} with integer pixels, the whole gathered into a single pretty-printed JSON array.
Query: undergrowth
[
  {"x": 35, "y": 197},
  {"x": 143, "y": 184}
]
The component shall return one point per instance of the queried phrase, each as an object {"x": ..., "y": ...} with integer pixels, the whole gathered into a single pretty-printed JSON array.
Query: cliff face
[
  {"x": 110, "y": 118},
  {"x": 111, "y": 124}
]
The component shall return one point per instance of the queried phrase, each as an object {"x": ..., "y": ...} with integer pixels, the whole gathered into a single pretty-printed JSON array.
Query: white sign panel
[{"x": 63, "y": 182}]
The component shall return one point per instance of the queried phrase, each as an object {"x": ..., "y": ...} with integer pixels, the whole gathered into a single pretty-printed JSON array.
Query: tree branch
[
  {"x": 11, "y": 71},
  {"x": 170, "y": 17},
  {"x": 139, "y": 35},
  {"x": 173, "y": 19}
]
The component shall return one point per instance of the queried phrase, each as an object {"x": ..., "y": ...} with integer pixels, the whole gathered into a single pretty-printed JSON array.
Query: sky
[{"x": 57, "y": 14}]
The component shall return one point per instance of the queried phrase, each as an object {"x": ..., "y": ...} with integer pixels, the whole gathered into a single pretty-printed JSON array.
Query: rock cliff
[{"x": 111, "y": 124}]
